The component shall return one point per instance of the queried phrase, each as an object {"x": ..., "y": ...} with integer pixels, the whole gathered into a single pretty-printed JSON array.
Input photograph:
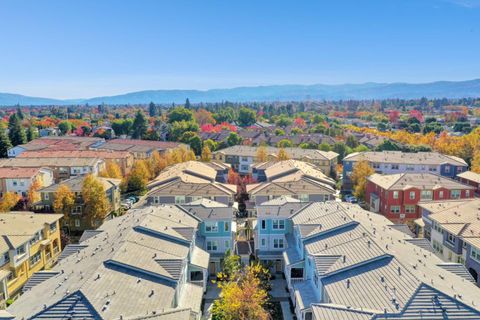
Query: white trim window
[
  {"x": 475, "y": 254},
  {"x": 278, "y": 224},
  {"x": 395, "y": 194},
  {"x": 410, "y": 209},
  {"x": 212, "y": 245},
  {"x": 395, "y": 209},
  {"x": 303, "y": 197},
  {"x": 278, "y": 243},
  {"x": 412, "y": 195},
  {"x": 426, "y": 195},
  {"x": 179, "y": 199},
  {"x": 211, "y": 226},
  {"x": 455, "y": 194},
  {"x": 227, "y": 244},
  {"x": 263, "y": 242}
]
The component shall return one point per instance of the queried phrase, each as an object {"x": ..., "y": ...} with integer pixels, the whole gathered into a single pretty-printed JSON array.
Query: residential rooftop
[
  {"x": 49, "y": 162},
  {"x": 137, "y": 255},
  {"x": 423, "y": 181},
  {"x": 75, "y": 184},
  {"x": 294, "y": 153},
  {"x": 470, "y": 175},
  {"x": 369, "y": 266},
  {"x": 427, "y": 158}
]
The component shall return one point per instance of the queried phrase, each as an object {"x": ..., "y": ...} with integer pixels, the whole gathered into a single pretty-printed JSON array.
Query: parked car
[
  {"x": 133, "y": 199},
  {"x": 351, "y": 199}
]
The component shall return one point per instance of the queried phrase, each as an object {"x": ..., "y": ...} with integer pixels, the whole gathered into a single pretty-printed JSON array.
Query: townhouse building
[
  {"x": 453, "y": 228},
  {"x": 396, "y": 195},
  {"x": 141, "y": 149},
  {"x": 393, "y": 162},
  {"x": 144, "y": 265},
  {"x": 217, "y": 229},
  {"x": 29, "y": 242},
  {"x": 62, "y": 168},
  {"x": 471, "y": 178},
  {"x": 291, "y": 178},
  {"x": 56, "y": 143},
  {"x": 271, "y": 229},
  {"x": 342, "y": 262},
  {"x": 123, "y": 159},
  {"x": 242, "y": 157},
  {"x": 77, "y": 221},
  {"x": 19, "y": 180},
  {"x": 190, "y": 181}
]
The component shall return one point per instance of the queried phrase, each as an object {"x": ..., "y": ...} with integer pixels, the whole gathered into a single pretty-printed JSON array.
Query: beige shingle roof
[
  {"x": 295, "y": 153},
  {"x": 470, "y": 175}
]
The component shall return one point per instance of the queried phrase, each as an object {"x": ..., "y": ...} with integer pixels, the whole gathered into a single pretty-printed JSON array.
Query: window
[
  {"x": 15, "y": 183},
  {"x": 278, "y": 224},
  {"x": 278, "y": 243},
  {"x": 46, "y": 196},
  {"x": 459, "y": 169},
  {"x": 77, "y": 223},
  {"x": 437, "y": 246},
  {"x": 376, "y": 165},
  {"x": 426, "y": 195},
  {"x": 227, "y": 244},
  {"x": 244, "y": 167},
  {"x": 244, "y": 158},
  {"x": 432, "y": 168},
  {"x": 447, "y": 169},
  {"x": 475, "y": 254},
  {"x": 263, "y": 225},
  {"x": 53, "y": 227},
  {"x": 21, "y": 250},
  {"x": 455, "y": 194},
  {"x": 179, "y": 199},
  {"x": 37, "y": 237},
  {"x": 77, "y": 210},
  {"x": 394, "y": 166},
  {"x": 156, "y": 200},
  {"x": 226, "y": 226},
  {"x": 395, "y": 209},
  {"x": 6, "y": 257},
  {"x": 303, "y": 197},
  {"x": 410, "y": 167},
  {"x": 440, "y": 194},
  {"x": 35, "y": 258},
  {"x": 450, "y": 238},
  {"x": 212, "y": 245},
  {"x": 467, "y": 193},
  {"x": 410, "y": 209},
  {"x": 395, "y": 194},
  {"x": 264, "y": 243},
  {"x": 412, "y": 195},
  {"x": 211, "y": 226}
]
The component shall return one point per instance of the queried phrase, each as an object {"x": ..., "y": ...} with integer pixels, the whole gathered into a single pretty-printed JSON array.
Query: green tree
[
  {"x": 187, "y": 104},
  {"x": 233, "y": 139},
  {"x": 152, "y": 109},
  {"x": 16, "y": 131},
  {"x": 65, "y": 127},
  {"x": 32, "y": 133},
  {"x": 140, "y": 125},
  {"x": 5, "y": 143},
  {"x": 341, "y": 149},
  {"x": 246, "y": 117},
  {"x": 122, "y": 127},
  {"x": 180, "y": 114},
  {"x": 284, "y": 143},
  {"x": 212, "y": 145},
  {"x": 351, "y": 141},
  {"x": 178, "y": 128}
]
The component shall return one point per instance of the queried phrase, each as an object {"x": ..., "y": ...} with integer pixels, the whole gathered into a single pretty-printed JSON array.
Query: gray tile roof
[
  {"x": 333, "y": 312},
  {"x": 426, "y": 158},
  {"x": 119, "y": 264}
]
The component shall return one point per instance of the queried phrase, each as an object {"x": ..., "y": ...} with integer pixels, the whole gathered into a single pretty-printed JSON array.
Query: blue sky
[{"x": 86, "y": 48}]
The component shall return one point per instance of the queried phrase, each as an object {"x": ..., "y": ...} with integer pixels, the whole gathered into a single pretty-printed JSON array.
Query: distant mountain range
[{"x": 439, "y": 89}]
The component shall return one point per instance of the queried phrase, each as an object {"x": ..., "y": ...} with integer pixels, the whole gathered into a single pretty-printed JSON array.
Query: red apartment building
[
  {"x": 471, "y": 178},
  {"x": 396, "y": 195}
]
